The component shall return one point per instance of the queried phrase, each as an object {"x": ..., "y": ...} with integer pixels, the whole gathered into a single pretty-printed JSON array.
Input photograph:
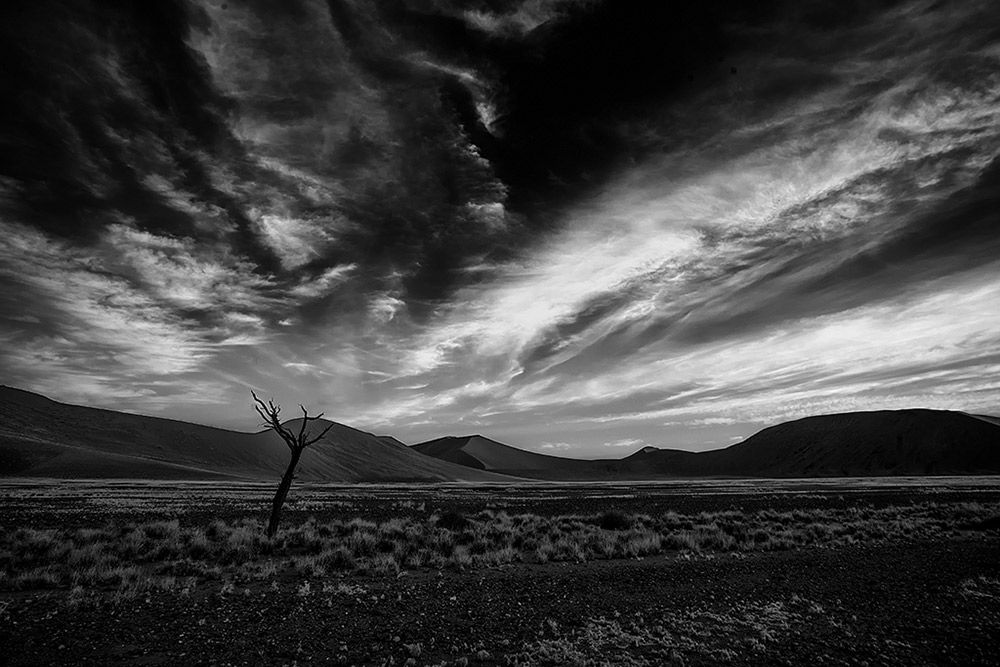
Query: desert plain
[{"x": 873, "y": 571}]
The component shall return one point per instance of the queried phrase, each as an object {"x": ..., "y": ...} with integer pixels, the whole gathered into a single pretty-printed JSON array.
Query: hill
[
  {"x": 857, "y": 444},
  {"x": 40, "y": 437},
  {"x": 43, "y": 438},
  {"x": 885, "y": 442}
]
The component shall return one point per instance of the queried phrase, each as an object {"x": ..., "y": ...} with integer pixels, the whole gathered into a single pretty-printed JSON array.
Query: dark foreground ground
[{"x": 906, "y": 601}]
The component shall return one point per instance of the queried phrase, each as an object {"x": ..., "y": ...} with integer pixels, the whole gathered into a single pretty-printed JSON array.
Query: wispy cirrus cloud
[
  {"x": 87, "y": 326},
  {"x": 428, "y": 221},
  {"x": 690, "y": 271}
]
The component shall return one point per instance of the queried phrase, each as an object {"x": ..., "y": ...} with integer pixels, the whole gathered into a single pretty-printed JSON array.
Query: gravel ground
[
  {"x": 896, "y": 604},
  {"x": 893, "y": 603}
]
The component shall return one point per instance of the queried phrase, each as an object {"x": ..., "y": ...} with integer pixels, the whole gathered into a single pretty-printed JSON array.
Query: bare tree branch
[
  {"x": 305, "y": 420},
  {"x": 320, "y": 436},
  {"x": 270, "y": 413}
]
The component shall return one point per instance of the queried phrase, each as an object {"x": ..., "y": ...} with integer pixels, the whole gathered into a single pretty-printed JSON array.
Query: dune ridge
[
  {"x": 40, "y": 437},
  {"x": 858, "y": 444}
]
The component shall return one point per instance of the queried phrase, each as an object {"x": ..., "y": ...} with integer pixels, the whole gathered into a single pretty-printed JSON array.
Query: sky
[{"x": 574, "y": 226}]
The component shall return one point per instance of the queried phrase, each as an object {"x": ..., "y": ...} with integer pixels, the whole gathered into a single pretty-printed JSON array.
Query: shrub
[
  {"x": 41, "y": 558},
  {"x": 338, "y": 558},
  {"x": 614, "y": 520},
  {"x": 453, "y": 521}
]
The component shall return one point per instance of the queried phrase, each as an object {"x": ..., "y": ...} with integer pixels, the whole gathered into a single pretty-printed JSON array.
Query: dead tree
[{"x": 296, "y": 443}]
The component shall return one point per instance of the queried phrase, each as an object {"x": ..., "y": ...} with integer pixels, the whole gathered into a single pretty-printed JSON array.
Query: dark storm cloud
[
  {"x": 789, "y": 273},
  {"x": 99, "y": 95},
  {"x": 224, "y": 203},
  {"x": 367, "y": 113},
  {"x": 116, "y": 114},
  {"x": 564, "y": 89},
  {"x": 565, "y": 214}
]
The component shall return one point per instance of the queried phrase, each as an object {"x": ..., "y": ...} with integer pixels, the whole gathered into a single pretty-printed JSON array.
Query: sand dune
[
  {"x": 43, "y": 438},
  {"x": 890, "y": 442},
  {"x": 987, "y": 418},
  {"x": 886, "y": 442},
  {"x": 480, "y": 452}
]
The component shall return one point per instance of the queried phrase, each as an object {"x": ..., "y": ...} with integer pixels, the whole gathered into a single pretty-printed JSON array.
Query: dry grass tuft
[{"x": 159, "y": 553}]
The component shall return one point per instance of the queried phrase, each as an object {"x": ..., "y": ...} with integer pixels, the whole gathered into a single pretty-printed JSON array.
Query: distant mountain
[
  {"x": 42, "y": 438},
  {"x": 888, "y": 442}
]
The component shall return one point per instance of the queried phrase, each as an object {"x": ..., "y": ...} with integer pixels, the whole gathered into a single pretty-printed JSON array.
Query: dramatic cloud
[{"x": 580, "y": 227}]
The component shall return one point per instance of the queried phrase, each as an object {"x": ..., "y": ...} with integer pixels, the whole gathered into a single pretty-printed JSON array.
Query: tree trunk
[{"x": 279, "y": 496}]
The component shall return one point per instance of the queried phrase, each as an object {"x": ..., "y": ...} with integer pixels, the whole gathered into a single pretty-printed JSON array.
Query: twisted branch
[{"x": 270, "y": 413}]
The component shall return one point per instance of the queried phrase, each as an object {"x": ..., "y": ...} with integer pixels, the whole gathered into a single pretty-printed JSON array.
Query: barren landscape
[
  {"x": 448, "y": 553},
  {"x": 752, "y": 572},
  {"x": 520, "y": 333}
]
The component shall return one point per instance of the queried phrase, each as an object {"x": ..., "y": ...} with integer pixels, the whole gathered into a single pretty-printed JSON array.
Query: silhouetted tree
[{"x": 296, "y": 443}]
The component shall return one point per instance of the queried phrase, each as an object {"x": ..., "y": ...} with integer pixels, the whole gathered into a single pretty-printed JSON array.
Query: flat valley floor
[{"x": 817, "y": 572}]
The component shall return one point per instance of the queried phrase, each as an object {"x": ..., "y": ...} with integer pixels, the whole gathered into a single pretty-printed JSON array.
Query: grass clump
[
  {"x": 453, "y": 521},
  {"x": 615, "y": 520},
  {"x": 121, "y": 555}
]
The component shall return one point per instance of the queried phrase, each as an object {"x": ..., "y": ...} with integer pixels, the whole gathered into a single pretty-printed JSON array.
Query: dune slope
[
  {"x": 44, "y": 438},
  {"x": 885, "y": 442},
  {"x": 483, "y": 453}
]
